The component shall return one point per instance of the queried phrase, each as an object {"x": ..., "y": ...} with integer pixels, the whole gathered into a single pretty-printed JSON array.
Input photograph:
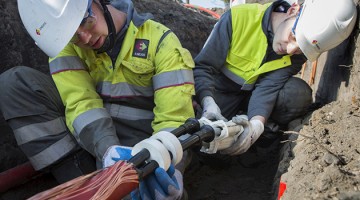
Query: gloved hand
[
  {"x": 252, "y": 131},
  {"x": 211, "y": 110},
  {"x": 160, "y": 185},
  {"x": 115, "y": 153}
]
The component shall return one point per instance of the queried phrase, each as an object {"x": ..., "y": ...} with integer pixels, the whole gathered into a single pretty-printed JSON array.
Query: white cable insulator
[
  {"x": 172, "y": 143},
  {"x": 157, "y": 150}
]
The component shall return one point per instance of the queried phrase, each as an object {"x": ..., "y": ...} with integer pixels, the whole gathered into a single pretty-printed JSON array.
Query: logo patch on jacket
[{"x": 141, "y": 48}]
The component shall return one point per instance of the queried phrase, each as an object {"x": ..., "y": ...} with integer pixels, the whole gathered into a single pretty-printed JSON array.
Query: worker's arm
[
  {"x": 173, "y": 84},
  {"x": 85, "y": 115},
  {"x": 266, "y": 90},
  {"x": 261, "y": 105},
  {"x": 212, "y": 57}
]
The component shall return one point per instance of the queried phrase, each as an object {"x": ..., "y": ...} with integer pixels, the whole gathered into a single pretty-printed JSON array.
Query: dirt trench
[{"x": 319, "y": 159}]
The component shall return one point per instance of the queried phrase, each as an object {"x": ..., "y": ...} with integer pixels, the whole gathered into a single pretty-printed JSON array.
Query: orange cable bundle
[
  {"x": 210, "y": 12},
  {"x": 114, "y": 182}
]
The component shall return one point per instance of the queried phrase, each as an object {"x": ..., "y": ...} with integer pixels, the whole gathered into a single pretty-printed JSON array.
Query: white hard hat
[
  {"x": 324, "y": 24},
  {"x": 236, "y": 2},
  {"x": 52, "y": 23},
  {"x": 291, "y": 2}
]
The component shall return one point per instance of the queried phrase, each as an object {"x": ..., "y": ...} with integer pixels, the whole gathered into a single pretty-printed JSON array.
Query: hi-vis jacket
[
  {"x": 151, "y": 78},
  {"x": 242, "y": 43}
]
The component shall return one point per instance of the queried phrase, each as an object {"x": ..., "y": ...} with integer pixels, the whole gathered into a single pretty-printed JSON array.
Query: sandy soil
[{"x": 327, "y": 155}]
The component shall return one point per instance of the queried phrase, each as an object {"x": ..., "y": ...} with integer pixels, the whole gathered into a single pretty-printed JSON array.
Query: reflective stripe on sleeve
[
  {"x": 128, "y": 113},
  {"x": 88, "y": 117},
  {"x": 173, "y": 78},
  {"x": 123, "y": 90},
  {"x": 66, "y": 63}
]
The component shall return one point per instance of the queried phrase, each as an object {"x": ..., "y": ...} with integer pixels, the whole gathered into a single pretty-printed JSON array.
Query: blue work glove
[
  {"x": 160, "y": 185},
  {"x": 115, "y": 153}
]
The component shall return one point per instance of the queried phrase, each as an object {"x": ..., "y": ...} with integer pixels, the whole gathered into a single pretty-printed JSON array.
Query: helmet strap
[{"x": 110, "y": 39}]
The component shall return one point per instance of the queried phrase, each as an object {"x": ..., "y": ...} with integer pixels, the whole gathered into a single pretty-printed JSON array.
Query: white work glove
[
  {"x": 211, "y": 110},
  {"x": 115, "y": 153},
  {"x": 252, "y": 131},
  {"x": 226, "y": 134}
]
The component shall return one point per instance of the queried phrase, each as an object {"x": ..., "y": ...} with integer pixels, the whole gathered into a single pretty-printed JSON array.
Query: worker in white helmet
[
  {"x": 249, "y": 60},
  {"x": 117, "y": 78}
]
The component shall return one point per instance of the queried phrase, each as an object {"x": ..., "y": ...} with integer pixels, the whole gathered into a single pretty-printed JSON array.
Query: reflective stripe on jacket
[
  {"x": 146, "y": 75},
  {"x": 248, "y": 47}
]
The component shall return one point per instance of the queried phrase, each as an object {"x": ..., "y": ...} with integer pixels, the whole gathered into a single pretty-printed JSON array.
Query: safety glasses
[
  {"x": 293, "y": 30},
  {"x": 88, "y": 22}
]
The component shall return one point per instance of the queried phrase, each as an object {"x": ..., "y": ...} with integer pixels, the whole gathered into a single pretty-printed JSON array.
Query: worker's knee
[
  {"x": 293, "y": 101},
  {"x": 9, "y": 79},
  {"x": 17, "y": 79},
  {"x": 24, "y": 87}
]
